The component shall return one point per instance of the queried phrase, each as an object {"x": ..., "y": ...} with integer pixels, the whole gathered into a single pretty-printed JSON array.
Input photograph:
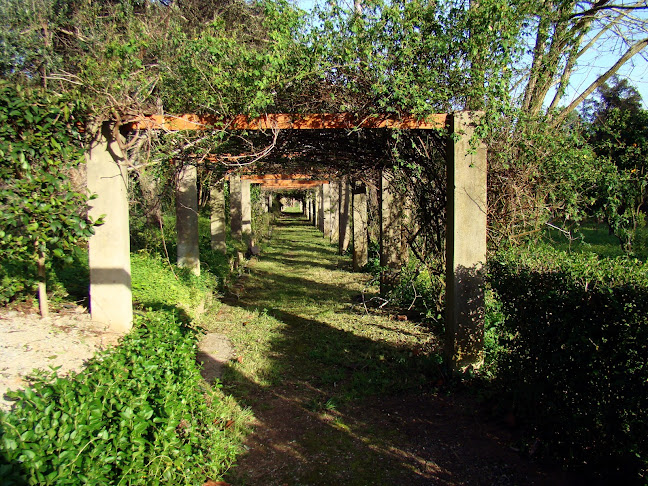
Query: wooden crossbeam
[
  {"x": 292, "y": 184},
  {"x": 283, "y": 121},
  {"x": 260, "y": 179}
]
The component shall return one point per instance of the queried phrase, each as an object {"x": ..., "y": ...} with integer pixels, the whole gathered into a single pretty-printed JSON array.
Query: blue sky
[{"x": 591, "y": 66}]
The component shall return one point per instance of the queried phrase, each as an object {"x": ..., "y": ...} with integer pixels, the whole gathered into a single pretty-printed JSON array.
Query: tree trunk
[{"x": 42, "y": 288}]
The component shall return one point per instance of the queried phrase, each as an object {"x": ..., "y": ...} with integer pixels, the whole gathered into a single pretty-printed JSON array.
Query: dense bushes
[
  {"x": 136, "y": 415},
  {"x": 570, "y": 337}
]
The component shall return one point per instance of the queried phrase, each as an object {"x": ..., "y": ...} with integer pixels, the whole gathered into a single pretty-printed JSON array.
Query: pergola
[{"x": 110, "y": 285}]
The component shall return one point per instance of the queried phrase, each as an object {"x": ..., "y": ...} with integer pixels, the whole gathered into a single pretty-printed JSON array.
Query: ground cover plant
[{"x": 138, "y": 414}]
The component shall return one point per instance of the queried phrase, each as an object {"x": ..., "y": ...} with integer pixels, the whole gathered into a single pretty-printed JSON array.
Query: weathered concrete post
[
  {"x": 246, "y": 208},
  {"x": 320, "y": 208},
  {"x": 465, "y": 245},
  {"x": 236, "y": 217},
  {"x": 345, "y": 216},
  {"x": 264, "y": 203},
  {"x": 326, "y": 210},
  {"x": 360, "y": 229},
  {"x": 334, "y": 198},
  {"x": 187, "y": 220},
  {"x": 218, "y": 230},
  {"x": 111, "y": 300},
  {"x": 390, "y": 233}
]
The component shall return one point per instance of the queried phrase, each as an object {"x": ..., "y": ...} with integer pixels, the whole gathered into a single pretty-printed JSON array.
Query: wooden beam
[
  {"x": 283, "y": 121},
  {"x": 260, "y": 179},
  {"x": 292, "y": 184}
]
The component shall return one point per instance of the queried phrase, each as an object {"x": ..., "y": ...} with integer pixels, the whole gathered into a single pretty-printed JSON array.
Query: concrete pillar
[
  {"x": 315, "y": 206},
  {"x": 246, "y": 208},
  {"x": 326, "y": 210},
  {"x": 465, "y": 245},
  {"x": 406, "y": 229},
  {"x": 320, "y": 208},
  {"x": 334, "y": 197},
  {"x": 111, "y": 300},
  {"x": 360, "y": 229},
  {"x": 187, "y": 220},
  {"x": 390, "y": 233},
  {"x": 264, "y": 203},
  {"x": 217, "y": 206},
  {"x": 345, "y": 216},
  {"x": 236, "y": 217}
]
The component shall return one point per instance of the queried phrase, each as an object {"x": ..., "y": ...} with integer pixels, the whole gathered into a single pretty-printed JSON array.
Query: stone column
[
  {"x": 187, "y": 220},
  {"x": 390, "y": 233},
  {"x": 345, "y": 216},
  {"x": 236, "y": 217},
  {"x": 218, "y": 230},
  {"x": 326, "y": 210},
  {"x": 264, "y": 202},
  {"x": 360, "y": 230},
  {"x": 246, "y": 208},
  {"x": 465, "y": 245},
  {"x": 334, "y": 197},
  {"x": 320, "y": 208},
  {"x": 111, "y": 301}
]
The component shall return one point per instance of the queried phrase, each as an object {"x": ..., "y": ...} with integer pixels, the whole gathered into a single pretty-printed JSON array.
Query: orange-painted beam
[
  {"x": 285, "y": 121},
  {"x": 292, "y": 184},
  {"x": 261, "y": 179}
]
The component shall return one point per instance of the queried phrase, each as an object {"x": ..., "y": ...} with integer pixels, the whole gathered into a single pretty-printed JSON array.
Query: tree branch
[{"x": 634, "y": 49}]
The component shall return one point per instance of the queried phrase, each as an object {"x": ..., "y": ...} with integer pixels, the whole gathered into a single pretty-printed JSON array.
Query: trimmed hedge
[
  {"x": 137, "y": 414},
  {"x": 571, "y": 352}
]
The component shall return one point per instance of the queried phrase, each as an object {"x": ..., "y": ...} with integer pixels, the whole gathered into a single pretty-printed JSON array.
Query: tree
[
  {"x": 618, "y": 132},
  {"x": 41, "y": 214}
]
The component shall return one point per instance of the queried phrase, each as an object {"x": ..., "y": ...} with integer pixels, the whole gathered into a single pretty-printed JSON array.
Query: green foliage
[
  {"x": 618, "y": 132},
  {"x": 415, "y": 56},
  {"x": 137, "y": 414},
  {"x": 156, "y": 285},
  {"x": 537, "y": 175},
  {"x": 571, "y": 342},
  {"x": 42, "y": 213}
]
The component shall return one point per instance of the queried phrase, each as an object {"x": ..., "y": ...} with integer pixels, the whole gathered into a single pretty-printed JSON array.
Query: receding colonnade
[{"x": 337, "y": 207}]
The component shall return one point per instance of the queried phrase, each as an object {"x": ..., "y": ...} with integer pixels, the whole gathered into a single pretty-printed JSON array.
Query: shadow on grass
[{"x": 341, "y": 404}]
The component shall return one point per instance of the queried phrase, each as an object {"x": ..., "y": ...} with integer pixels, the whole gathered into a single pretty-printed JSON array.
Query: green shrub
[
  {"x": 572, "y": 351},
  {"x": 137, "y": 414}
]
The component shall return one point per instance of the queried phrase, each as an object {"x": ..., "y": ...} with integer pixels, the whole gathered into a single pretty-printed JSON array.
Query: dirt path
[
  {"x": 345, "y": 397},
  {"x": 66, "y": 340}
]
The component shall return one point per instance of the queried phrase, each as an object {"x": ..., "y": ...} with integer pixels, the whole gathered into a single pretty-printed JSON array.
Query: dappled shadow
[{"x": 336, "y": 406}]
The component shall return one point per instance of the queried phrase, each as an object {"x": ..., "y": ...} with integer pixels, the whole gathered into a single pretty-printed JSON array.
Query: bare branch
[
  {"x": 592, "y": 11},
  {"x": 634, "y": 49}
]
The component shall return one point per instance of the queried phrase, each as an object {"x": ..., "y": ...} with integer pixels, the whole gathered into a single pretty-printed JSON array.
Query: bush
[
  {"x": 572, "y": 351},
  {"x": 136, "y": 415}
]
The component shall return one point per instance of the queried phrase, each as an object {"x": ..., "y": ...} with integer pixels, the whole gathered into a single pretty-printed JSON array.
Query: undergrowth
[{"x": 138, "y": 414}]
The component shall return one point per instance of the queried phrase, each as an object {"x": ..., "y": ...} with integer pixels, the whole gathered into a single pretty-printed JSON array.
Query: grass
[
  {"x": 307, "y": 353},
  {"x": 593, "y": 237},
  {"x": 298, "y": 318}
]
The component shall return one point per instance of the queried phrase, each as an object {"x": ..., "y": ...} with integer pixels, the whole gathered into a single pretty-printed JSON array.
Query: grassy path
[{"x": 340, "y": 396}]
